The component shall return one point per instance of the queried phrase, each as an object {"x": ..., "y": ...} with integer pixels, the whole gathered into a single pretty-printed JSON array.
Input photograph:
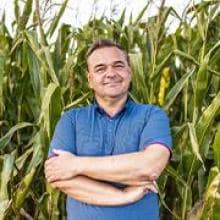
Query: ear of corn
[{"x": 164, "y": 84}]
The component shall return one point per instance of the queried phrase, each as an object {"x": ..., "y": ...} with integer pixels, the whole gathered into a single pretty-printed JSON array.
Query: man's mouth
[{"x": 112, "y": 83}]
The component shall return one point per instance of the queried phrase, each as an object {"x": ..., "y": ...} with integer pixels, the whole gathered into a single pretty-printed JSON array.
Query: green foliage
[{"x": 40, "y": 78}]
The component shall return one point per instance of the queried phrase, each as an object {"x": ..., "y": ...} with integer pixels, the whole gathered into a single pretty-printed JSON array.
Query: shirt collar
[{"x": 126, "y": 106}]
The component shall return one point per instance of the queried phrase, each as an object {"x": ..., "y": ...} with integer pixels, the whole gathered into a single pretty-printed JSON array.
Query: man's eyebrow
[
  {"x": 99, "y": 65},
  {"x": 113, "y": 63},
  {"x": 119, "y": 62}
]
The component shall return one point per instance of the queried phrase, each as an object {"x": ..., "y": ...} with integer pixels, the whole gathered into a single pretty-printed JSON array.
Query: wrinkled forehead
[{"x": 106, "y": 55}]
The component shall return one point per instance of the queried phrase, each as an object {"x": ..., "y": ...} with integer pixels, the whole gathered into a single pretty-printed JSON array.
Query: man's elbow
[
  {"x": 148, "y": 172},
  {"x": 154, "y": 160},
  {"x": 147, "y": 175}
]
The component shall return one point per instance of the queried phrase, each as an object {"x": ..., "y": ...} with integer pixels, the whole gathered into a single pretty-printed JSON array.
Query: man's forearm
[
  {"x": 94, "y": 192},
  {"x": 132, "y": 168}
]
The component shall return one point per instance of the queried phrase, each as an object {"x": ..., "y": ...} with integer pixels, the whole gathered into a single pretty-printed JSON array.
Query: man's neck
[{"x": 112, "y": 105}]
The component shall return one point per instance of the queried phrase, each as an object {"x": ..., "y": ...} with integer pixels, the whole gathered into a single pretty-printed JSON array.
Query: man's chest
[{"x": 106, "y": 136}]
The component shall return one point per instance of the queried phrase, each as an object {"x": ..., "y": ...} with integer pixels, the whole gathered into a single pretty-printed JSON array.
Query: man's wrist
[
  {"x": 80, "y": 164},
  {"x": 127, "y": 197},
  {"x": 123, "y": 197}
]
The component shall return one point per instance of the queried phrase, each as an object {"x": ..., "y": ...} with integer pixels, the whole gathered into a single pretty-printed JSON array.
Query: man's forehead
[
  {"x": 107, "y": 52},
  {"x": 106, "y": 55}
]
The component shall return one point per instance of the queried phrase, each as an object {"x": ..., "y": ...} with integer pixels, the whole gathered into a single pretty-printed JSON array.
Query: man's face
[{"x": 109, "y": 74}]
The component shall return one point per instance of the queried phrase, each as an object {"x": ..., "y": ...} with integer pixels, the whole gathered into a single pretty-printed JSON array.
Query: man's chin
[{"x": 115, "y": 95}]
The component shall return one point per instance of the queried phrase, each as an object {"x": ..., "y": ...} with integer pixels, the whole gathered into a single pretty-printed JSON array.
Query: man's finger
[
  {"x": 59, "y": 152},
  {"x": 153, "y": 177},
  {"x": 48, "y": 171},
  {"x": 52, "y": 179},
  {"x": 48, "y": 162},
  {"x": 152, "y": 186}
]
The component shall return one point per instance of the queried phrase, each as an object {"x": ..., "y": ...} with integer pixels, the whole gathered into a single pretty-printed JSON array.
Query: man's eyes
[
  {"x": 119, "y": 66},
  {"x": 100, "y": 69}
]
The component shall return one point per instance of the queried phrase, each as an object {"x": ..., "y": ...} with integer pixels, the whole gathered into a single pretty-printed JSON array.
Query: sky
[{"x": 79, "y": 11}]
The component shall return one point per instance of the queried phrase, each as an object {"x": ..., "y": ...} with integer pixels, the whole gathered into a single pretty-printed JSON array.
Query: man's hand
[
  {"x": 135, "y": 193},
  {"x": 62, "y": 166}
]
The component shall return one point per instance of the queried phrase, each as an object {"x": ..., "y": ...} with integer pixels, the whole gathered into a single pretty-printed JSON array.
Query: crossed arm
[
  {"x": 78, "y": 176},
  {"x": 94, "y": 192}
]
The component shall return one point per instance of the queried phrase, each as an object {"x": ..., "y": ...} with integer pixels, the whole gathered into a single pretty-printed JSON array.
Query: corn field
[{"x": 40, "y": 78}]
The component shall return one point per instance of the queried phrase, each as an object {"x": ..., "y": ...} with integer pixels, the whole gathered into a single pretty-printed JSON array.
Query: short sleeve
[
  {"x": 156, "y": 130},
  {"x": 64, "y": 135}
]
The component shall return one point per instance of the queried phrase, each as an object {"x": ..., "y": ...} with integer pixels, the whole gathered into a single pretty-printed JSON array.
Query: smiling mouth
[{"x": 112, "y": 83}]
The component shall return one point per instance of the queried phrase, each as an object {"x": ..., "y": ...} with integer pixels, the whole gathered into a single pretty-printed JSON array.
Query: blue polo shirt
[{"x": 89, "y": 131}]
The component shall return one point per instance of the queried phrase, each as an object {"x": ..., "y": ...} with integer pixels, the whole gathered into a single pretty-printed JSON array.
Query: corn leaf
[
  {"x": 177, "y": 88},
  {"x": 216, "y": 147},
  {"x": 207, "y": 118},
  {"x": 7, "y": 137},
  {"x": 55, "y": 22},
  {"x": 194, "y": 142}
]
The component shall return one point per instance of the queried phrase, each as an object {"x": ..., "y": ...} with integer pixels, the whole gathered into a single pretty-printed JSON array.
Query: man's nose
[{"x": 110, "y": 72}]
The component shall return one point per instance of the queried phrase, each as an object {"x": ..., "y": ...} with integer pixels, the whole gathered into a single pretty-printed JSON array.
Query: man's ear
[
  {"x": 130, "y": 72},
  {"x": 89, "y": 79}
]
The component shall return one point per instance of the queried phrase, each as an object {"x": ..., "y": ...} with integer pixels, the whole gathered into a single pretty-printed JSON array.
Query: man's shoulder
[
  {"x": 148, "y": 109},
  {"x": 72, "y": 112}
]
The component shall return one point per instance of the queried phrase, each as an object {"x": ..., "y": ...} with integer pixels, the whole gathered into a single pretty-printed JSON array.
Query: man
[{"x": 109, "y": 154}]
